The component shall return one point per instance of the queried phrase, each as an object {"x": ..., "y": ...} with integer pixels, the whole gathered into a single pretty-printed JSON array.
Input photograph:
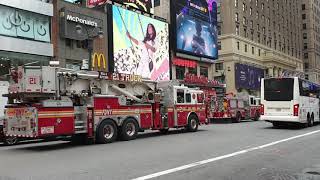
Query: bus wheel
[
  {"x": 276, "y": 124},
  {"x": 193, "y": 123},
  {"x": 129, "y": 130},
  {"x": 107, "y": 132},
  {"x": 311, "y": 121}
]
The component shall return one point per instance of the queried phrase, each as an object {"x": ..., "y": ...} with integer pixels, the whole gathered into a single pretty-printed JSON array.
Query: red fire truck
[
  {"x": 254, "y": 111},
  {"x": 214, "y": 94},
  {"x": 229, "y": 107},
  {"x": 95, "y": 106}
]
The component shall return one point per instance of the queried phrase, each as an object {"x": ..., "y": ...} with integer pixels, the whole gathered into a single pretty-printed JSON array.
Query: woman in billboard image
[{"x": 145, "y": 65}]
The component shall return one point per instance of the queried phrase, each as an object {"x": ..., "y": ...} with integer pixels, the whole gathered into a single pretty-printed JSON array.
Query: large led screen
[
  {"x": 196, "y": 27},
  {"x": 143, "y": 5},
  {"x": 140, "y": 45}
]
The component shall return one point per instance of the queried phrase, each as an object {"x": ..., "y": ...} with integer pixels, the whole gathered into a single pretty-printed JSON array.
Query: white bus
[{"x": 289, "y": 100}]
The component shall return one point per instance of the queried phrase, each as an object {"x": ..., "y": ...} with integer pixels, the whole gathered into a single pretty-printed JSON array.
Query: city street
[{"x": 245, "y": 151}]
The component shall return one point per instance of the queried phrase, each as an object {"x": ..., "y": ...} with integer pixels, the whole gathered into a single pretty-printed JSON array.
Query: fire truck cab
[{"x": 254, "y": 108}]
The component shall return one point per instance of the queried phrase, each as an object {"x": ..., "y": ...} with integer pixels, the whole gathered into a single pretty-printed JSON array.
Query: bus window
[
  {"x": 308, "y": 89},
  {"x": 278, "y": 89}
]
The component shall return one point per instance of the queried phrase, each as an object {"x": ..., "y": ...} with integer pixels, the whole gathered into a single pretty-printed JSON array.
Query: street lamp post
[{"x": 89, "y": 38}]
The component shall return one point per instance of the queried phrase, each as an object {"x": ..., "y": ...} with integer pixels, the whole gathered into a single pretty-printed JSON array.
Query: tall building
[
  {"x": 258, "y": 38},
  {"x": 311, "y": 38},
  {"x": 184, "y": 61}
]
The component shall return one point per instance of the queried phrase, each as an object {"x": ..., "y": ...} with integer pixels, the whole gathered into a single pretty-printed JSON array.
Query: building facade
[
  {"x": 311, "y": 38},
  {"x": 257, "y": 36},
  {"x": 25, "y": 34},
  {"x": 182, "y": 63},
  {"x": 71, "y": 46}
]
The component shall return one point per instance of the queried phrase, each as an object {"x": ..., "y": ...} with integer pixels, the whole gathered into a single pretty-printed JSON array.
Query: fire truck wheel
[
  {"x": 129, "y": 130},
  {"x": 164, "y": 131},
  {"x": 238, "y": 118},
  {"x": 10, "y": 141},
  {"x": 193, "y": 123},
  {"x": 107, "y": 132},
  {"x": 256, "y": 116}
]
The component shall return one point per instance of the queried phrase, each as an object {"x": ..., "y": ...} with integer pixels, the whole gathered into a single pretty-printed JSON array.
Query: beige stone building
[
  {"x": 311, "y": 38},
  {"x": 259, "y": 34},
  {"x": 264, "y": 34}
]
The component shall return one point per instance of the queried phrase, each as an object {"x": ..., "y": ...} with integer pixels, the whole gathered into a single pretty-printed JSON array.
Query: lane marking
[{"x": 188, "y": 166}]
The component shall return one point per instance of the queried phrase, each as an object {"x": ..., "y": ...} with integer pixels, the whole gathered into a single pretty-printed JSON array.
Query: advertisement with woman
[
  {"x": 196, "y": 27},
  {"x": 140, "y": 45}
]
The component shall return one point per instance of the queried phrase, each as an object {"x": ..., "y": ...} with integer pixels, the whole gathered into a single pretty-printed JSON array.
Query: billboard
[
  {"x": 143, "y": 5},
  {"x": 196, "y": 27},
  {"x": 248, "y": 77},
  {"x": 140, "y": 45}
]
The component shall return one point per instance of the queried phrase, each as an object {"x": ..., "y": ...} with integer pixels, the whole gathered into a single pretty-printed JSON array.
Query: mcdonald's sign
[{"x": 99, "y": 62}]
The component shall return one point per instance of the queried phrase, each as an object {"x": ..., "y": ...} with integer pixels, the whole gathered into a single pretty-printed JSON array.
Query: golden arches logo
[{"x": 99, "y": 62}]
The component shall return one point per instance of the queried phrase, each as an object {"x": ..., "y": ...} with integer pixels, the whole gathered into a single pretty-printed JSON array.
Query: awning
[{"x": 184, "y": 63}]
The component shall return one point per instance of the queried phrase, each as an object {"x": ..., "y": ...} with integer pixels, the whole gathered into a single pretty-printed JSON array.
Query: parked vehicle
[
  {"x": 95, "y": 106},
  {"x": 4, "y": 85},
  {"x": 229, "y": 107},
  {"x": 289, "y": 100}
]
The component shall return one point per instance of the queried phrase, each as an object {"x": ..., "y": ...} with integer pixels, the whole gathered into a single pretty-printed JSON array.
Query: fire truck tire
[
  {"x": 164, "y": 131},
  {"x": 129, "y": 130},
  {"x": 107, "y": 132},
  {"x": 238, "y": 118},
  {"x": 9, "y": 141},
  {"x": 256, "y": 116},
  {"x": 193, "y": 123}
]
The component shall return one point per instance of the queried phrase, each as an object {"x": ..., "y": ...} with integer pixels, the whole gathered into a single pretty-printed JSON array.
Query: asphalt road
[{"x": 245, "y": 151}]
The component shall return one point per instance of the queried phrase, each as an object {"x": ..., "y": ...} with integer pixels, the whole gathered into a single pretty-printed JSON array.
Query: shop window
[
  {"x": 219, "y": 66},
  {"x": 79, "y": 44},
  {"x": 180, "y": 72},
  {"x": 10, "y": 60},
  {"x": 84, "y": 44},
  {"x": 204, "y": 71},
  {"x": 68, "y": 43},
  {"x": 193, "y": 71}
]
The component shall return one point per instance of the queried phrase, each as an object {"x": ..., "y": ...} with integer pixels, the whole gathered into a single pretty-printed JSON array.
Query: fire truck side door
[{"x": 180, "y": 113}]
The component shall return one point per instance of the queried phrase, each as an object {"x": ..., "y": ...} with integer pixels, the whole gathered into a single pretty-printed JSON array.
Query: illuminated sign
[
  {"x": 99, "y": 62},
  {"x": 195, "y": 26},
  {"x": 143, "y": 5},
  {"x": 120, "y": 77},
  {"x": 201, "y": 80},
  {"x": 81, "y": 20},
  {"x": 140, "y": 45}
]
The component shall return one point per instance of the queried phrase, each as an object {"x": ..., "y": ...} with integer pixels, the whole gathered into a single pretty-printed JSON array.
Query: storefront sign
[
  {"x": 69, "y": 21},
  {"x": 184, "y": 63},
  {"x": 99, "y": 62},
  {"x": 24, "y": 24},
  {"x": 120, "y": 77},
  {"x": 200, "y": 80},
  {"x": 82, "y": 21},
  {"x": 248, "y": 77}
]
